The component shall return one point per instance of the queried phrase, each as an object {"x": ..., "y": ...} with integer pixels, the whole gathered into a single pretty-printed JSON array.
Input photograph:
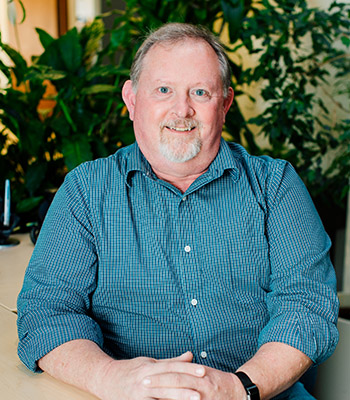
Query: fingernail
[
  {"x": 146, "y": 381},
  {"x": 195, "y": 397},
  {"x": 200, "y": 371}
]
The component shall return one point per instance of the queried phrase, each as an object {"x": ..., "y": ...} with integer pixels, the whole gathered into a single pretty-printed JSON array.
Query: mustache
[{"x": 187, "y": 123}]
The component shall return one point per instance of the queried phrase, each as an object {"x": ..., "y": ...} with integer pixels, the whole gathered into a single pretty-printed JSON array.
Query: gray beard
[{"x": 178, "y": 149}]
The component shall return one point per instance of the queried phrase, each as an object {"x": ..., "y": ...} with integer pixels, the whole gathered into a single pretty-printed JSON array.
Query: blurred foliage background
[{"x": 65, "y": 107}]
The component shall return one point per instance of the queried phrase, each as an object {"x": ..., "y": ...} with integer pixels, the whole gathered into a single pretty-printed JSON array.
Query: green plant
[
  {"x": 45, "y": 135},
  {"x": 302, "y": 48},
  {"x": 298, "y": 49}
]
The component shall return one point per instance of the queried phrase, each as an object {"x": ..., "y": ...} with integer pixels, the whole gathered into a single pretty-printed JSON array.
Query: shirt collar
[
  {"x": 136, "y": 161},
  {"x": 224, "y": 160}
]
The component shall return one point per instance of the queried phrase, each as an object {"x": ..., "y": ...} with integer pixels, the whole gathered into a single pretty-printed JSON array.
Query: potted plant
[{"x": 57, "y": 112}]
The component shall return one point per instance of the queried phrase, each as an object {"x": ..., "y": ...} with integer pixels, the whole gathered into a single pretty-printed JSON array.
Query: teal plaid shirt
[{"x": 128, "y": 261}]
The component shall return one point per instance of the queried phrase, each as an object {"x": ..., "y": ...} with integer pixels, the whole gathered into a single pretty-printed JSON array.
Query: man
[{"x": 180, "y": 267}]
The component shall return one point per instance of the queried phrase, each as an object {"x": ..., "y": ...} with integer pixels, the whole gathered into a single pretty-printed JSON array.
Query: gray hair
[{"x": 174, "y": 32}]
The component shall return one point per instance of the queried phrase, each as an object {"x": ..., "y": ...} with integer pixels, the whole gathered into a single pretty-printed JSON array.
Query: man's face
[{"x": 178, "y": 109}]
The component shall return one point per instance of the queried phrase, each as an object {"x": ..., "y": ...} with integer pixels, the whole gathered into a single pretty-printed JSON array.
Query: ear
[
  {"x": 228, "y": 101},
  {"x": 129, "y": 97}
]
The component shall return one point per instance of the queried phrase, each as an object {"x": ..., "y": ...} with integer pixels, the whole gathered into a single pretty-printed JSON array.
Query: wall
[{"x": 39, "y": 13}]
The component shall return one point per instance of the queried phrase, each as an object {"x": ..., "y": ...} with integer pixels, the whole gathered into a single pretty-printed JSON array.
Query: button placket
[{"x": 191, "y": 271}]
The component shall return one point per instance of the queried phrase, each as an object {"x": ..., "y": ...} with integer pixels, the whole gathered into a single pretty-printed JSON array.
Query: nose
[{"x": 183, "y": 107}]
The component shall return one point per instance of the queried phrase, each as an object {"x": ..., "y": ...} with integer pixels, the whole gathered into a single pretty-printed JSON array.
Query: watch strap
[{"x": 250, "y": 387}]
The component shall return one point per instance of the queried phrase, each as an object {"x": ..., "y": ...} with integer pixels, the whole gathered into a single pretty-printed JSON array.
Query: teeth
[{"x": 180, "y": 129}]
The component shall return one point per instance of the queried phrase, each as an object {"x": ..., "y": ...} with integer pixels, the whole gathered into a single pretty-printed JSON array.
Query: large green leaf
[
  {"x": 103, "y": 71},
  {"x": 28, "y": 204},
  {"x": 94, "y": 89},
  {"x": 34, "y": 176},
  {"x": 51, "y": 57},
  {"x": 76, "y": 150},
  {"x": 5, "y": 70},
  {"x": 20, "y": 64},
  {"x": 32, "y": 135},
  {"x": 44, "y": 37},
  {"x": 58, "y": 123},
  {"x": 64, "y": 53},
  {"x": 70, "y": 50},
  {"x": 233, "y": 13},
  {"x": 42, "y": 72}
]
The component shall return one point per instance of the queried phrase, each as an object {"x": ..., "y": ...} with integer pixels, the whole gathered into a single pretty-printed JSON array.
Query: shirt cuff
[
  {"x": 308, "y": 333},
  {"x": 61, "y": 329}
]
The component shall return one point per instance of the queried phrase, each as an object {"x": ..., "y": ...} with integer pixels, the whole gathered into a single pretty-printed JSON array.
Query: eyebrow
[{"x": 197, "y": 84}]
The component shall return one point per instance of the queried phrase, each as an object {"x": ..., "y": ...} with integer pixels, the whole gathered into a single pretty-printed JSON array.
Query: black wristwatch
[{"x": 250, "y": 387}]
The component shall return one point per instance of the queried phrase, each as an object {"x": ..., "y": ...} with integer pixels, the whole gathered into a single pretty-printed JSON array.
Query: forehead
[{"x": 190, "y": 57}]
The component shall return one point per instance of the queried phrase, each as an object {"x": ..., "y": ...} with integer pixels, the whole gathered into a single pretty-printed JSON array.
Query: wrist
[
  {"x": 250, "y": 388},
  {"x": 239, "y": 390},
  {"x": 99, "y": 381}
]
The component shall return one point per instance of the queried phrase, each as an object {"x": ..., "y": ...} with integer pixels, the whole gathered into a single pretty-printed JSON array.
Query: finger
[
  {"x": 174, "y": 394},
  {"x": 171, "y": 366},
  {"x": 185, "y": 357},
  {"x": 173, "y": 380}
]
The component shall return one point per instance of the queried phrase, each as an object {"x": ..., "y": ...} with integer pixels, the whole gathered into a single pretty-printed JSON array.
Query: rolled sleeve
[
  {"x": 302, "y": 301},
  {"x": 54, "y": 303}
]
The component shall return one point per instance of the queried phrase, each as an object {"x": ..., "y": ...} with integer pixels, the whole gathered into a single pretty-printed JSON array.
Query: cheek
[
  {"x": 151, "y": 114},
  {"x": 213, "y": 118}
]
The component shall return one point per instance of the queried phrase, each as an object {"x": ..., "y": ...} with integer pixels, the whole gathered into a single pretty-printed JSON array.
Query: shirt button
[
  {"x": 187, "y": 249},
  {"x": 184, "y": 198},
  {"x": 204, "y": 354},
  {"x": 194, "y": 302}
]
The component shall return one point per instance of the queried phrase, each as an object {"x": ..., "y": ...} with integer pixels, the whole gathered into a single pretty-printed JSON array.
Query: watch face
[{"x": 253, "y": 393}]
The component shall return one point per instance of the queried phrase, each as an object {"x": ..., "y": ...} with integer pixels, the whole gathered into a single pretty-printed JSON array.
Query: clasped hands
[{"x": 177, "y": 378}]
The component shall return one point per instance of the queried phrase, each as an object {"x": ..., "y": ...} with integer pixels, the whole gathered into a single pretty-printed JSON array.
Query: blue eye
[
  {"x": 164, "y": 90},
  {"x": 200, "y": 92}
]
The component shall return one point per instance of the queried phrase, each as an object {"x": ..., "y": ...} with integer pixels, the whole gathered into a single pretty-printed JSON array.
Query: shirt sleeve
[
  {"x": 302, "y": 300},
  {"x": 54, "y": 303}
]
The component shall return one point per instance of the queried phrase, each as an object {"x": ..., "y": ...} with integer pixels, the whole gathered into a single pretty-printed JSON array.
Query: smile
[{"x": 177, "y": 129}]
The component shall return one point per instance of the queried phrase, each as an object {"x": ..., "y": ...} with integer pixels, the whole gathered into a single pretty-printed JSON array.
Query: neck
[
  {"x": 182, "y": 175},
  {"x": 180, "y": 181}
]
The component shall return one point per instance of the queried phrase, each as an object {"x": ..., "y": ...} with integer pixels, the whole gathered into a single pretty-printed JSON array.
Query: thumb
[{"x": 185, "y": 357}]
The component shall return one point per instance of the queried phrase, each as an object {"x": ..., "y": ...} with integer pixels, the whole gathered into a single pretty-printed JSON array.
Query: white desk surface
[
  {"x": 16, "y": 381},
  {"x": 13, "y": 263}
]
